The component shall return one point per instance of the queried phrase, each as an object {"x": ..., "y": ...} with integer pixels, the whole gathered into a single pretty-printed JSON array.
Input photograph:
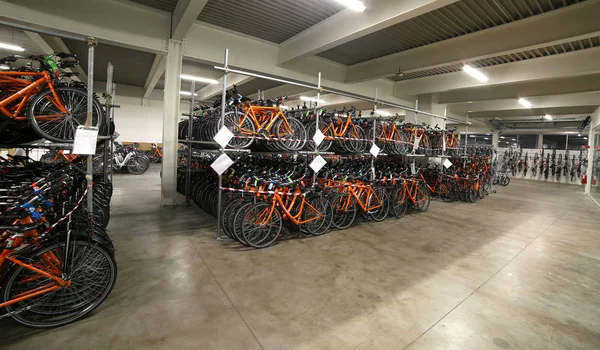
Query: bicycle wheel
[
  {"x": 377, "y": 197},
  {"x": 423, "y": 197},
  {"x": 232, "y": 121},
  {"x": 49, "y": 122},
  {"x": 480, "y": 189},
  {"x": 322, "y": 207},
  {"x": 399, "y": 204},
  {"x": 505, "y": 180},
  {"x": 293, "y": 133},
  {"x": 138, "y": 165},
  {"x": 93, "y": 275},
  {"x": 261, "y": 225},
  {"x": 344, "y": 211}
]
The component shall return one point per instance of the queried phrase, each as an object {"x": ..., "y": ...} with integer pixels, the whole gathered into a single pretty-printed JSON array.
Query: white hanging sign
[
  {"x": 223, "y": 136},
  {"x": 221, "y": 164},
  {"x": 443, "y": 144},
  {"x": 374, "y": 150},
  {"x": 317, "y": 163},
  {"x": 319, "y": 137},
  {"x": 413, "y": 169},
  {"x": 416, "y": 144},
  {"x": 447, "y": 163},
  {"x": 85, "y": 140}
]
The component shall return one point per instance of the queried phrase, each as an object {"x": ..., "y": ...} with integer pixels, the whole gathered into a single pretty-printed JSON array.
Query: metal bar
[
  {"x": 466, "y": 134},
  {"x": 108, "y": 106},
  {"x": 317, "y": 126},
  {"x": 188, "y": 178},
  {"x": 335, "y": 91},
  {"x": 91, "y": 42},
  {"x": 221, "y": 123},
  {"x": 374, "y": 132}
]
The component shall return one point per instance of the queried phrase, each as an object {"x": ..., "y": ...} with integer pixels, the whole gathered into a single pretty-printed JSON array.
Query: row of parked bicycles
[
  {"x": 57, "y": 262},
  {"x": 545, "y": 165},
  {"x": 267, "y": 125},
  {"x": 38, "y": 100},
  {"x": 266, "y": 195}
]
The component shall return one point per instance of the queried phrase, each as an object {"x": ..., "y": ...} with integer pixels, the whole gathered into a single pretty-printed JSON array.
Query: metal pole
[
  {"x": 109, "y": 102},
  {"x": 221, "y": 123},
  {"x": 374, "y": 131},
  {"x": 91, "y": 42},
  {"x": 112, "y": 135},
  {"x": 188, "y": 178},
  {"x": 466, "y": 134},
  {"x": 444, "y": 146},
  {"x": 317, "y": 126},
  {"x": 567, "y": 143}
]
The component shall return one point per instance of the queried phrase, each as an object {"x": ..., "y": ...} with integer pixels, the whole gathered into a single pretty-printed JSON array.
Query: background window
[
  {"x": 575, "y": 142},
  {"x": 555, "y": 141}
]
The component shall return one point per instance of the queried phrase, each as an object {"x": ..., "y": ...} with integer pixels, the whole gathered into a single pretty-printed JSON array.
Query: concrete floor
[{"x": 518, "y": 270}]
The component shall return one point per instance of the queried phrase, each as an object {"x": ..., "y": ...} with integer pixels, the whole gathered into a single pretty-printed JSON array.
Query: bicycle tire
[
  {"x": 319, "y": 226},
  {"x": 380, "y": 213},
  {"x": 41, "y": 104},
  {"x": 423, "y": 197},
  {"x": 261, "y": 235},
  {"x": 400, "y": 205},
  {"x": 344, "y": 211},
  {"x": 44, "y": 306}
]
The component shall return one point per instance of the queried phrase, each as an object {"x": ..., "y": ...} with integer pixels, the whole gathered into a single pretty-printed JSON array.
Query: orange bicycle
[
  {"x": 373, "y": 201},
  {"x": 349, "y": 137},
  {"x": 410, "y": 191},
  {"x": 54, "y": 110},
  {"x": 266, "y": 120}
]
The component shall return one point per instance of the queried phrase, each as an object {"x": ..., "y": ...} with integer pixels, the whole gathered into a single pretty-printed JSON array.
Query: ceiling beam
[
  {"x": 555, "y": 86},
  {"x": 548, "y": 101},
  {"x": 184, "y": 16},
  {"x": 347, "y": 25},
  {"x": 50, "y": 45},
  {"x": 529, "y": 33},
  {"x": 534, "y": 112},
  {"x": 562, "y": 65}
]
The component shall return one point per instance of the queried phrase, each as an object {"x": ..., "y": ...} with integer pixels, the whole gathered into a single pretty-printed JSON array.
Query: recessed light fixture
[
  {"x": 200, "y": 79},
  {"x": 548, "y": 117},
  {"x": 11, "y": 47},
  {"x": 502, "y": 137},
  {"x": 514, "y": 139},
  {"x": 354, "y": 5},
  {"x": 186, "y": 93},
  {"x": 486, "y": 138},
  {"x": 4, "y": 67},
  {"x": 475, "y": 73},
  {"x": 585, "y": 137},
  {"x": 579, "y": 134},
  {"x": 311, "y": 99},
  {"x": 525, "y": 103},
  {"x": 471, "y": 135}
]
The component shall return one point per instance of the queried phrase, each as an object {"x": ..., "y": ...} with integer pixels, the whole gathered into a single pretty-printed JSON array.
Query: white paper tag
[
  {"x": 221, "y": 164},
  {"x": 374, "y": 150},
  {"x": 443, "y": 144},
  {"x": 66, "y": 151},
  {"x": 319, "y": 137},
  {"x": 417, "y": 141},
  {"x": 447, "y": 163},
  {"x": 317, "y": 163},
  {"x": 223, "y": 136},
  {"x": 85, "y": 140}
]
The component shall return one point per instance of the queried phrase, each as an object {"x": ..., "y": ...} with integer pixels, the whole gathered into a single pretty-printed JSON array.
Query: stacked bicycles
[
  {"x": 56, "y": 260},
  {"x": 37, "y": 100}
]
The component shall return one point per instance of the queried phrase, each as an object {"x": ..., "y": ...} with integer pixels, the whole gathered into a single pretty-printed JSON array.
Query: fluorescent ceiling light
[
  {"x": 514, "y": 139},
  {"x": 548, "y": 117},
  {"x": 354, "y": 5},
  {"x": 579, "y": 134},
  {"x": 383, "y": 113},
  {"x": 486, "y": 138},
  {"x": 11, "y": 47},
  {"x": 475, "y": 73},
  {"x": 585, "y": 138},
  {"x": 311, "y": 99},
  {"x": 502, "y": 137},
  {"x": 471, "y": 135},
  {"x": 525, "y": 103},
  {"x": 4, "y": 67},
  {"x": 187, "y": 93},
  {"x": 200, "y": 79}
]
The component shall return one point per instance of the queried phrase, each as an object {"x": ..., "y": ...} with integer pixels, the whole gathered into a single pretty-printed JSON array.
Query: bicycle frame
[
  {"x": 26, "y": 92},
  {"x": 343, "y": 129},
  {"x": 267, "y": 125}
]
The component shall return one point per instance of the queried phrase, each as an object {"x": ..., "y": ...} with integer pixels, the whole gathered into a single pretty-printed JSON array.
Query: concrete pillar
[
  {"x": 590, "y": 157},
  {"x": 429, "y": 103},
  {"x": 170, "y": 122},
  {"x": 495, "y": 138},
  {"x": 540, "y": 141}
]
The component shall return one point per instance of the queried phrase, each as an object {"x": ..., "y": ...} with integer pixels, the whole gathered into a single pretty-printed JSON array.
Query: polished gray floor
[{"x": 518, "y": 270}]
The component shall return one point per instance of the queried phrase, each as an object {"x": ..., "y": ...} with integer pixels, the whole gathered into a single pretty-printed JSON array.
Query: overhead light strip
[
  {"x": 200, "y": 79},
  {"x": 11, "y": 47},
  {"x": 354, "y": 5},
  {"x": 475, "y": 73},
  {"x": 186, "y": 93},
  {"x": 311, "y": 99},
  {"x": 525, "y": 103}
]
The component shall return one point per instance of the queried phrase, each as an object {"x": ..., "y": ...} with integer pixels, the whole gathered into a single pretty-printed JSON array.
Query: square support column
[
  {"x": 495, "y": 138},
  {"x": 170, "y": 122},
  {"x": 590, "y": 164},
  {"x": 540, "y": 141}
]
